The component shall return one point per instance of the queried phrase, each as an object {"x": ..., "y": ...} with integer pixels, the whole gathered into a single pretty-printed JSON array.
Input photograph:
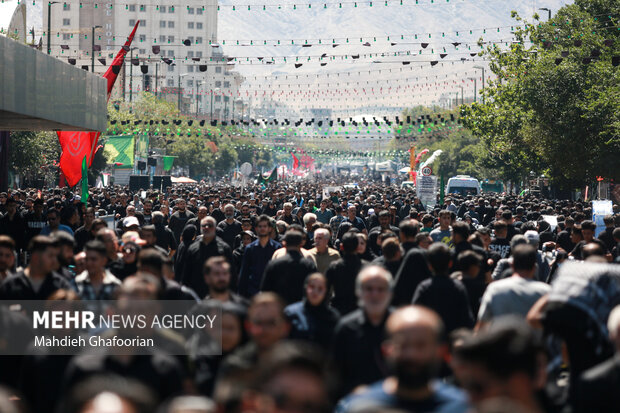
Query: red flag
[
  {"x": 77, "y": 145},
  {"x": 295, "y": 161}
]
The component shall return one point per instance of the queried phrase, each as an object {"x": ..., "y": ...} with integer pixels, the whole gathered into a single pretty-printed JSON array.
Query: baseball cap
[
  {"x": 532, "y": 237},
  {"x": 130, "y": 221}
]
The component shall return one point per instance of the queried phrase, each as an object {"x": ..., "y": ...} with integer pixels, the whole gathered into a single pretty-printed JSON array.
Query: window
[
  {"x": 132, "y": 7},
  {"x": 66, "y": 36},
  {"x": 190, "y": 83},
  {"x": 170, "y": 39},
  {"x": 227, "y": 84},
  {"x": 162, "y": 9},
  {"x": 66, "y": 22},
  {"x": 198, "y": 40},
  {"x": 170, "y": 82},
  {"x": 143, "y": 23},
  {"x": 226, "y": 98},
  {"x": 132, "y": 22},
  {"x": 142, "y": 8},
  {"x": 190, "y": 25},
  {"x": 66, "y": 7},
  {"x": 198, "y": 10},
  {"x": 190, "y": 54},
  {"x": 162, "y": 38},
  {"x": 199, "y": 26},
  {"x": 190, "y": 68},
  {"x": 191, "y": 39},
  {"x": 143, "y": 37},
  {"x": 171, "y": 68},
  {"x": 218, "y": 98},
  {"x": 218, "y": 84},
  {"x": 170, "y": 53},
  {"x": 198, "y": 54},
  {"x": 142, "y": 51},
  {"x": 162, "y": 24},
  {"x": 171, "y": 25},
  {"x": 171, "y": 9},
  {"x": 218, "y": 69},
  {"x": 190, "y": 10}
]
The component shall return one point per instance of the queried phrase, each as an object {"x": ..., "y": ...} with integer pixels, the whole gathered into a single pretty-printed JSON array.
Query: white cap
[
  {"x": 532, "y": 237},
  {"x": 130, "y": 221}
]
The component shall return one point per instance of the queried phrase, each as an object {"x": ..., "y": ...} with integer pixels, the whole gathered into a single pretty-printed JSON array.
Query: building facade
[{"x": 175, "y": 44}]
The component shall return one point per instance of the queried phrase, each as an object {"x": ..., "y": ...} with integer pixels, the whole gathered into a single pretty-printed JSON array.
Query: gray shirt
[{"x": 510, "y": 296}]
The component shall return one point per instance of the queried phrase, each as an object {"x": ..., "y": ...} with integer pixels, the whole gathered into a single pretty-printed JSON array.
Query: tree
[
  {"x": 555, "y": 106},
  {"x": 34, "y": 155}
]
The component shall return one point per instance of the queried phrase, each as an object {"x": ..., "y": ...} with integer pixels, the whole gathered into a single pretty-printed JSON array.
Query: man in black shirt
[
  {"x": 228, "y": 229},
  {"x": 199, "y": 252},
  {"x": 285, "y": 276},
  {"x": 342, "y": 273},
  {"x": 356, "y": 351},
  {"x": 38, "y": 280},
  {"x": 500, "y": 244},
  {"x": 84, "y": 234},
  {"x": 564, "y": 237},
  {"x": 447, "y": 297},
  {"x": 179, "y": 219},
  {"x": 13, "y": 224}
]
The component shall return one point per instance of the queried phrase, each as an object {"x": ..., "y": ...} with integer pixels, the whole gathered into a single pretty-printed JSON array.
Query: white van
[{"x": 463, "y": 185}]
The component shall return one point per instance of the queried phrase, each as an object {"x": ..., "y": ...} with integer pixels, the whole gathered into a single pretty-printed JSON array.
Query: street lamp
[
  {"x": 179, "y": 91},
  {"x": 474, "y": 79},
  {"x": 213, "y": 92},
  {"x": 461, "y": 95},
  {"x": 49, "y": 24},
  {"x": 197, "y": 89},
  {"x": 92, "y": 49},
  {"x": 548, "y": 11},
  {"x": 481, "y": 68}
]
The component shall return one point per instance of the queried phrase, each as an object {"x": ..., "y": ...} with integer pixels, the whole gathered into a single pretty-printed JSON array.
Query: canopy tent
[{"x": 182, "y": 180}]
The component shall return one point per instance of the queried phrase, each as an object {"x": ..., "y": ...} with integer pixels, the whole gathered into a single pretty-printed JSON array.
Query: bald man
[{"x": 412, "y": 349}]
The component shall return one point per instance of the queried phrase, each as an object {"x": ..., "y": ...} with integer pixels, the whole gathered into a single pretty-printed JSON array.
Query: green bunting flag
[
  {"x": 272, "y": 176},
  {"x": 168, "y": 161},
  {"x": 84, "y": 181}
]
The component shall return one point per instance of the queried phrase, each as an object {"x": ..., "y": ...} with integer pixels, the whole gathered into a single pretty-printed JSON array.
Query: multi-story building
[{"x": 174, "y": 42}]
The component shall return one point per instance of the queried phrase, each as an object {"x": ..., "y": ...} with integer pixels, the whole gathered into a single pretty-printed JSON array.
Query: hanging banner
[
  {"x": 120, "y": 150},
  {"x": 427, "y": 190}
]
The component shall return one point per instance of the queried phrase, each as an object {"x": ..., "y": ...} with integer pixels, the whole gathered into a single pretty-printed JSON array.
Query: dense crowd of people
[{"x": 360, "y": 299}]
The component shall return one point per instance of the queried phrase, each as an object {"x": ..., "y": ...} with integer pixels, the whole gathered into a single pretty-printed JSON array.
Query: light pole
[
  {"x": 481, "y": 68},
  {"x": 213, "y": 92},
  {"x": 197, "y": 89},
  {"x": 474, "y": 79},
  {"x": 548, "y": 11},
  {"x": 179, "y": 90},
  {"x": 461, "y": 94},
  {"x": 92, "y": 49},
  {"x": 131, "y": 73},
  {"x": 49, "y": 25}
]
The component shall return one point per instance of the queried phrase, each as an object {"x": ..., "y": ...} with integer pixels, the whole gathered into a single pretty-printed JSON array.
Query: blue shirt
[
  {"x": 445, "y": 399},
  {"x": 47, "y": 230},
  {"x": 255, "y": 260}
]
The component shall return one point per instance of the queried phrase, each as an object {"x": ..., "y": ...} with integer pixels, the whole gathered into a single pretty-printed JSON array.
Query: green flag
[
  {"x": 272, "y": 176},
  {"x": 168, "y": 160},
  {"x": 84, "y": 181}
]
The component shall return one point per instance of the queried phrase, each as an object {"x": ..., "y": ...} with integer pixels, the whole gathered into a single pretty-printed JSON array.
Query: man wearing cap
[{"x": 131, "y": 224}]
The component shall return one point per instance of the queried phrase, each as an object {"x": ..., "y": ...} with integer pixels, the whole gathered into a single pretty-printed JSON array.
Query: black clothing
[
  {"x": 158, "y": 371},
  {"x": 165, "y": 238},
  {"x": 177, "y": 223},
  {"x": 121, "y": 270},
  {"x": 19, "y": 287},
  {"x": 228, "y": 232},
  {"x": 285, "y": 276},
  {"x": 81, "y": 236},
  {"x": 607, "y": 238},
  {"x": 356, "y": 351},
  {"x": 597, "y": 388},
  {"x": 411, "y": 273},
  {"x": 39, "y": 382},
  {"x": 391, "y": 266},
  {"x": 15, "y": 228},
  {"x": 218, "y": 215},
  {"x": 500, "y": 246},
  {"x": 312, "y": 323},
  {"x": 197, "y": 255},
  {"x": 448, "y": 298},
  {"x": 341, "y": 275},
  {"x": 564, "y": 240}
]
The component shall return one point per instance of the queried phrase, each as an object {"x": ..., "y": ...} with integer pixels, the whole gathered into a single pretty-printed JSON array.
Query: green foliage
[
  {"x": 34, "y": 154},
  {"x": 551, "y": 113}
]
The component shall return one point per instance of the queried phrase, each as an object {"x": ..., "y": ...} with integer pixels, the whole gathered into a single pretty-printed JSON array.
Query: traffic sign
[{"x": 427, "y": 171}]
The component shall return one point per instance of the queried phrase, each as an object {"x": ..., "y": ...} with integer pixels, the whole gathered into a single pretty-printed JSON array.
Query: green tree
[
  {"x": 34, "y": 155},
  {"x": 555, "y": 106}
]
